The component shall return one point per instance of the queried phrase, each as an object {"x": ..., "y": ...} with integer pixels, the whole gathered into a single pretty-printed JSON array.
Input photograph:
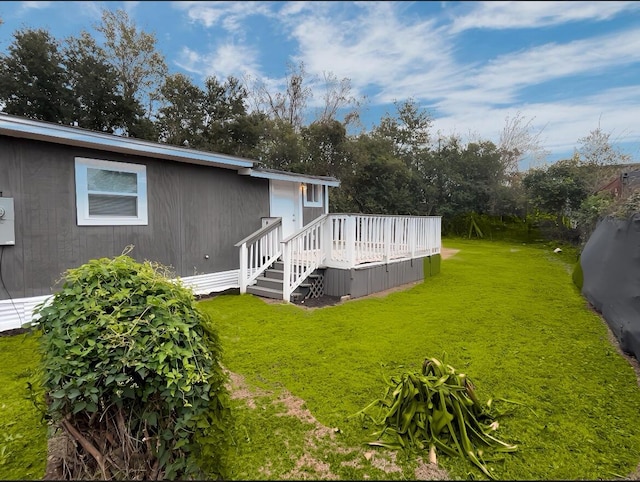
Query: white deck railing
[
  {"x": 258, "y": 251},
  {"x": 360, "y": 238},
  {"x": 337, "y": 241}
]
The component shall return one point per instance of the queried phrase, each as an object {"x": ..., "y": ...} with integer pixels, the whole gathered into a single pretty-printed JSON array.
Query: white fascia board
[
  {"x": 290, "y": 176},
  {"x": 59, "y": 134}
]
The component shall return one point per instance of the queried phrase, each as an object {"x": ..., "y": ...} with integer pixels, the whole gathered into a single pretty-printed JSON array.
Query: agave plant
[{"x": 436, "y": 409}]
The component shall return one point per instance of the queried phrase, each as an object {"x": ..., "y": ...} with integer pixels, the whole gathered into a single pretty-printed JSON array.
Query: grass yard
[
  {"x": 23, "y": 436},
  {"x": 506, "y": 314}
]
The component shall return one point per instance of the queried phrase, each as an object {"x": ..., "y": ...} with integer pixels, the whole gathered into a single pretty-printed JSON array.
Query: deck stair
[{"x": 269, "y": 284}]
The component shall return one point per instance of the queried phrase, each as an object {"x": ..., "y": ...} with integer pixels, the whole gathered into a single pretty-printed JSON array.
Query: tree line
[{"x": 122, "y": 85}]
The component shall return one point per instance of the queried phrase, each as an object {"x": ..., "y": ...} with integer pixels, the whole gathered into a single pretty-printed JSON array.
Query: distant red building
[{"x": 627, "y": 181}]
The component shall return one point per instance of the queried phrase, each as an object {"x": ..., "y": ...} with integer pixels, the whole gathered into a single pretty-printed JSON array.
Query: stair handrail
[
  {"x": 302, "y": 253},
  {"x": 258, "y": 251}
]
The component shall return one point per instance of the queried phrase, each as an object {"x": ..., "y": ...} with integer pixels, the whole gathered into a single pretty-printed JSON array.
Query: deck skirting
[{"x": 366, "y": 279}]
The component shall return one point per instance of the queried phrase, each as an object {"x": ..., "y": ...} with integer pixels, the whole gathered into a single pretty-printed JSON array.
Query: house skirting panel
[
  {"x": 213, "y": 282},
  {"x": 15, "y": 313},
  {"x": 367, "y": 279}
]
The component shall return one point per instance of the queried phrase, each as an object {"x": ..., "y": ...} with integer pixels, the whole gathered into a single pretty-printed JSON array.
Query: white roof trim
[
  {"x": 290, "y": 176},
  {"x": 75, "y": 136}
]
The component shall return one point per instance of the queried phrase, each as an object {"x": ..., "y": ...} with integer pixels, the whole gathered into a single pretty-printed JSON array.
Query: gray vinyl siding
[{"x": 193, "y": 211}]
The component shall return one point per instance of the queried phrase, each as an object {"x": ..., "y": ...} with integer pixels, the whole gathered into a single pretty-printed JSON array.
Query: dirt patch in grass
[
  {"x": 426, "y": 471},
  {"x": 239, "y": 391},
  {"x": 309, "y": 465},
  {"x": 446, "y": 253},
  {"x": 319, "y": 302},
  {"x": 306, "y": 463}
]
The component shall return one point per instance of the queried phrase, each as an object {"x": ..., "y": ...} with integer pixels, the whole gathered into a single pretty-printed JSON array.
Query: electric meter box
[{"x": 7, "y": 222}]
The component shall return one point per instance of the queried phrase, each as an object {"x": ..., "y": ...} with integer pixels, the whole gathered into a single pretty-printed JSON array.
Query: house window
[
  {"x": 110, "y": 193},
  {"x": 312, "y": 195}
]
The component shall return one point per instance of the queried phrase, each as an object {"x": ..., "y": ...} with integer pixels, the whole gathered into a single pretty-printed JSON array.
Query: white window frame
[
  {"x": 82, "y": 193},
  {"x": 317, "y": 195}
]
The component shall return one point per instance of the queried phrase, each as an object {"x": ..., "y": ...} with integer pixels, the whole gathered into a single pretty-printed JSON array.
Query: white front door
[{"x": 285, "y": 203}]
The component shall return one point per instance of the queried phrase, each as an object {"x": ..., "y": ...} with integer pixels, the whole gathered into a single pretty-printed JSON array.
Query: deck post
[
  {"x": 244, "y": 262},
  {"x": 350, "y": 239},
  {"x": 413, "y": 234},
  {"x": 387, "y": 238},
  {"x": 327, "y": 241},
  {"x": 286, "y": 276}
]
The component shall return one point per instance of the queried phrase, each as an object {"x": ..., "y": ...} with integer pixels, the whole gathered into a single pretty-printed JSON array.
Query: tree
[
  {"x": 288, "y": 106},
  {"x": 475, "y": 174},
  {"x": 558, "y": 189},
  {"x": 227, "y": 127},
  {"x": 596, "y": 150},
  {"x": 374, "y": 180},
  {"x": 181, "y": 118},
  {"x": 337, "y": 96},
  {"x": 140, "y": 67},
  {"x": 279, "y": 145},
  {"x": 384, "y": 185},
  {"x": 457, "y": 178},
  {"x": 326, "y": 149},
  {"x": 33, "y": 81},
  {"x": 214, "y": 119},
  {"x": 517, "y": 142},
  {"x": 94, "y": 83},
  {"x": 408, "y": 130}
]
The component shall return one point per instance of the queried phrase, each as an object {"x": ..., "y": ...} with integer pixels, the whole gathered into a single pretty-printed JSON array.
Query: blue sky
[{"x": 568, "y": 67}]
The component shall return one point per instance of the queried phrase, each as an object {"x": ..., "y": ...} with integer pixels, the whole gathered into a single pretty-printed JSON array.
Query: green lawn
[
  {"x": 507, "y": 315},
  {"x": 23, "y": 437}
]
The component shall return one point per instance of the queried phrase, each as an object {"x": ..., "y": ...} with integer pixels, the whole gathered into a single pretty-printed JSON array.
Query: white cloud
[
  {"x": 229, "y": 14},
  {"x": 516, "y": 14},
  {"x": 92, "y": 10},
  {"x": 562, "y": 123},
  {"x": 501, "y": 80},
  {"x": 130, "y": 6},
  {"x": 403, "y": 60},
  {"x": 374, "y": 49},
  {"x": 225, "y": 60},
  {"x": 230, "y": 59},
  {"x": 553, "y": 61},
  {"x": 189, "y": 60},
  {"x": 390, "y": 56},
  {"x": 295, "y": 8},
  {"x": 34, "y": 5}
]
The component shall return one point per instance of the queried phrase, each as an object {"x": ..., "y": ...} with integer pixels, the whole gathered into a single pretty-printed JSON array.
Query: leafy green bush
[
  {"x": 132, "y": 373},
  {"x": 592, "y": 210},
  {"x": 436, "y": 409}
]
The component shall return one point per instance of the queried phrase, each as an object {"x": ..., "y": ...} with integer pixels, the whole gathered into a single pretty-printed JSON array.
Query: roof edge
[
  {"x": 289, "y": 176},
  {"x": 20, "y": 127}
]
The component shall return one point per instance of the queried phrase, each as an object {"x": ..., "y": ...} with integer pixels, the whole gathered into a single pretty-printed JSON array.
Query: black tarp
[{"x": 610, "y": 263}]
